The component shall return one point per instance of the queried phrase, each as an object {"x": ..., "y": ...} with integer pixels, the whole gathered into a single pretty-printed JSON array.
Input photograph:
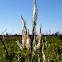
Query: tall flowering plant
[{"x": 32, "y": 44}]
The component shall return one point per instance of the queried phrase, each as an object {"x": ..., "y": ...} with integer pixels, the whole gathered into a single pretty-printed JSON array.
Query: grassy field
[{"x": 53, "y": 51}]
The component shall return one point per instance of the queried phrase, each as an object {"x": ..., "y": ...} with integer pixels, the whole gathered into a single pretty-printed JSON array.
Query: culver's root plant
[{"x": 31, "y": 47}]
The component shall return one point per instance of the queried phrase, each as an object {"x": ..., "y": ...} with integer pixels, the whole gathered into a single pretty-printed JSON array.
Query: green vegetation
[{"x": 53, "y": 51}]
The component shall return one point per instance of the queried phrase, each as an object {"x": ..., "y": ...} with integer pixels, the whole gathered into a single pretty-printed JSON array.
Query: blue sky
[{"x": 49, "y": 15}]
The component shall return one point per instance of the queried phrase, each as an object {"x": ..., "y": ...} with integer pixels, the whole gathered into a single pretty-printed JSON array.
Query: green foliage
[{"x": 53, "y": 51}]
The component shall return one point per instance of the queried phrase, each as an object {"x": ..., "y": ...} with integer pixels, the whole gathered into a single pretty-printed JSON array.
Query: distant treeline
[{"x": 56, "y": 35}]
